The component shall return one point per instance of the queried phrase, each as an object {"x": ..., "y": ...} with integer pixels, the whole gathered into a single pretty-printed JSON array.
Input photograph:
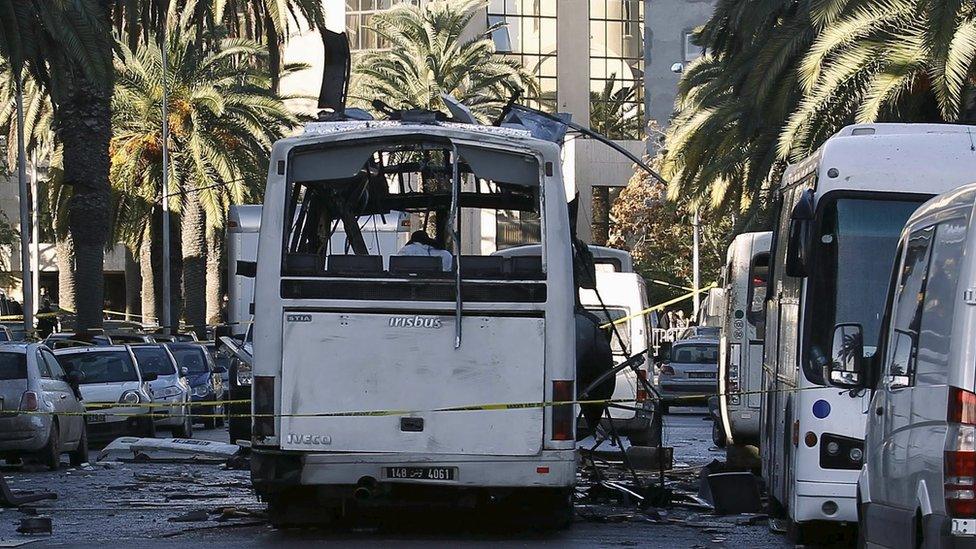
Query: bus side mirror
[
  {"x": 846, "y": 365},
  {"x": 800, "y": 238},
  {"x": 716, "y": 302},
  {"x": 247, "y": 269}
]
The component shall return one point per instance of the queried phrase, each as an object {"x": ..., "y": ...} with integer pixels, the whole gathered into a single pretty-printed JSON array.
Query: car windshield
[
  {"x": 857, "y": 243},
  {"x": 13, "y": 366},
  {"x": 695, "y": 354},
  {"x": 193, "y": 359},
  {"x": 100, "y": 366},
  {"x": 154, "y": 360},
  {"x": 623, "y": 328}
]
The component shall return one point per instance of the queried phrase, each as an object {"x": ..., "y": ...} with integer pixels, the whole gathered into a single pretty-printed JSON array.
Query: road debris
[
  {"x": 30, "y": 526},
  {"x": 168, "y": 450},
  {"x": 197, "y": 515}
]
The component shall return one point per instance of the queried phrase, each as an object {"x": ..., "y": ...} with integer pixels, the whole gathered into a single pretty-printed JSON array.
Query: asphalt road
[{"x": 131, "y": 505}]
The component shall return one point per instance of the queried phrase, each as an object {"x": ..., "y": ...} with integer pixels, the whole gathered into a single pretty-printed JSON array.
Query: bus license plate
[
  {"x": 701, "y": 375},
  {"x": 421, "y": 473}
]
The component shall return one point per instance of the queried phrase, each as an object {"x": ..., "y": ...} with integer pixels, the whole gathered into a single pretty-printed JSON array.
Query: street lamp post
[
  {"x": 695, "y": 270},
  {"x": 25, "y": 230},
  {"x": 167, "y": 288}
]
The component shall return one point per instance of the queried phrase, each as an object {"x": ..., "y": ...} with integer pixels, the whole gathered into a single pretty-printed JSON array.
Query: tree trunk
[
  {"x": 83, "y": 119},
  {"x": 150, "y": 311},
  {"x": 215, "y": 286},
  {"x": 193, "y": 229},
  {"x": 65, "y": 252},
  {"x": 132, "y": 287}
]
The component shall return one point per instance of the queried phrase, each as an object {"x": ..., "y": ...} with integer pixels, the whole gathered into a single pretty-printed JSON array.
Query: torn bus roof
[{"x": 325, "y": 128}]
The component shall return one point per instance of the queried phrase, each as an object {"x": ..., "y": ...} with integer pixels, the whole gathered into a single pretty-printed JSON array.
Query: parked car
[
  {"x": 690, "y": 375},
  {"x": 32, "y": 380},
  {"x": 205, "y": 381},
  {"x": 62, "y": 340},
  {"x": 241, "y": 350},
  {"x": 112, "y": 380},
  {"x": 222, "y": 358},
  {"x": 170, "y": 390},
  {"x": 918, "y": 480}
]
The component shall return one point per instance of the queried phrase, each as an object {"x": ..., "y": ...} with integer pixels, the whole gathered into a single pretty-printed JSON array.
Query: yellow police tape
[
  {"x": 379, "y": 413},
  {"x": 661, "y": 306}
]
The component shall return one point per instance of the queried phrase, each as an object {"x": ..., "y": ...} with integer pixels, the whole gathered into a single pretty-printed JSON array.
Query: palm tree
[
  {"x": 427, "y": 57},
  {"x": 904, "y": 60},
  {"x": 67, "y": 46},
  {"x": 733, "y": 103},
  {"x": 268, "y": 22},
  {"x": 616, "y": 111},
  {"x": 223, "y": 121}
]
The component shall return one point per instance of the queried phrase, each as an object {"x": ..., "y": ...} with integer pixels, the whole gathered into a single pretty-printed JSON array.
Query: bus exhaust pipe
[{"x": 364, "y": 489}]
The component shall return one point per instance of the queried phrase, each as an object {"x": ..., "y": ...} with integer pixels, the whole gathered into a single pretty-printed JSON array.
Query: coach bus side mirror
[
  {"x": 846, "y": 365},
  {"x": 799, "y": 244}
]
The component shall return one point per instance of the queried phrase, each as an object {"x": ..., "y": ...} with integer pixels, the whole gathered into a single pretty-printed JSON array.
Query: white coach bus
[
  {"x": 339, "y": 332},
  {"x": 841, "y": 214},
  {"x": 743, "y": 315}
]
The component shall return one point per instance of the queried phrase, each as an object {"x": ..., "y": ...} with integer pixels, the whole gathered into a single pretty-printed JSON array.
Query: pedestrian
[{"x": 47, "y": 321}]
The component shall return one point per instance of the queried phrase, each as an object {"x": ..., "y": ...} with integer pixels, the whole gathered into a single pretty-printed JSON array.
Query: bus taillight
[
  {"x": 264, "y": 400},
  {"x": 562, "y": 414}
]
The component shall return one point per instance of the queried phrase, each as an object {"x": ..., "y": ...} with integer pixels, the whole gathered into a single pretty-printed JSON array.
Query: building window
[
  {"x": 617, "y": 68},
  {"x": 692, "y": 51},
  {"x": 601, "y": 223},
  {"x": 359, "y": 15},
  {"x": 515, "y": 228},
  {"x": 528, "y": 35}
]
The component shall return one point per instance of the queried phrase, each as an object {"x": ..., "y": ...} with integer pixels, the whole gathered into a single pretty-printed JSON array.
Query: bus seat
[
  {"x": 480, "y": 266},
  {"x": 526, "y": 266},
  {"x": 355, "y": 264},
  {"x": 303, "y": 264},
  {"x": 415, "y": 264}
]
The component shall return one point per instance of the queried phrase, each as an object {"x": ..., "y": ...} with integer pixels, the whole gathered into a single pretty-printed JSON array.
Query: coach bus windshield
[{"x": 856, "y": 246}]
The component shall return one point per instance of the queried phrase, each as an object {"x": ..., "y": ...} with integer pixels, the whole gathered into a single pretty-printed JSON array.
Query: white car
[
  {"x": 170, "y": 390},
  {"x": 116, "y": 393}
]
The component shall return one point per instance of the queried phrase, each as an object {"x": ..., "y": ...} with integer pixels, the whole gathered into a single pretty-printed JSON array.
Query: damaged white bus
[{"x": 357, "y": 360}]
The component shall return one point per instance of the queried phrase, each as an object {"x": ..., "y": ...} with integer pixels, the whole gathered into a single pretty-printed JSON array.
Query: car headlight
[
  {"x": 130, "y": 397},
  {"x": 171, "y": 391},
  {"x": 200, "y": 390}
]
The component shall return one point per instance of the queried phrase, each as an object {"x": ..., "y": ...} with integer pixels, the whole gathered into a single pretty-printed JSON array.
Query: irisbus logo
[{"x": 415, "y": 322}]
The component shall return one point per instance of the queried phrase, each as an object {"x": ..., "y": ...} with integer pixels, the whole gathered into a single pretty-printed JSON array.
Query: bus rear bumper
[
  {"x": 828, "y": 501},
  {"x": 274, "y": 471}
]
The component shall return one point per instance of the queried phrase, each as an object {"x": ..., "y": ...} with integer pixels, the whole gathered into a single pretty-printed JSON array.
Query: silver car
[
  {"x": 119, "y": 394},
  {"x": 170, "y": 390},
  {"x": 690, "y": 376},
  {"x": 42, "y": 413}
]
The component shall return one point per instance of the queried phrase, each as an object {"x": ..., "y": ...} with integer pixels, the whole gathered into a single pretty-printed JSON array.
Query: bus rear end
[{"x": 420, "y": 377}]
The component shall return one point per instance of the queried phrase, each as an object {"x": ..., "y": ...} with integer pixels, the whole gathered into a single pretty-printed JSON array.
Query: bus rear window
[
  {"x": 758, "y": 282},
  {"x": 425, "y": 209}
]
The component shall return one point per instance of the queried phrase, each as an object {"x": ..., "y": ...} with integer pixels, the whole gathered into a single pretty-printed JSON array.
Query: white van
[
  {"x": 918, "y": 483},
  {"x": 624, "y": 293},
  {"x": 622, "y": 296},
  {"x": 369, "y": 380},
  {"x": 743, "y": 314}
]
